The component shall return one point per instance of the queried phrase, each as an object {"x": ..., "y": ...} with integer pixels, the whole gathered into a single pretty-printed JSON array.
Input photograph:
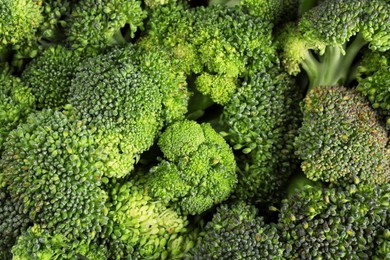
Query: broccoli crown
[
  {"x": 127, "y": 101},
  {"x": 198, "y": 170},
  {"x": 373, "y": 77},
  {"x": 329, "y": 223},
  {"x": 16, "y": 102},
  {"x": 49, "y": 76},
  {"x": 261, "y": 121},
  {"x": 19, "y": 20},
  {"x": 382, "y": 250},
  {"x": 95, "y": 24},
  {"x": 236, "y": 232},
  {"x": 12, "y": 223},
  {"x": 342, "y": 139},
  {"x": 141, "y": 227},
  {"x": 55, "y": 156},
  {"x": 213, "y": 43},
  {"x": 53, "y": 23},
  {"x": 38, "y": 243}
]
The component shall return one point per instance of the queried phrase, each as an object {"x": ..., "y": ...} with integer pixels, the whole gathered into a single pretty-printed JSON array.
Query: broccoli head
[
  {"x": 51, "y": 167},
  {"x": 199, "y": 169},
  {"x": 342, "y": 139}
]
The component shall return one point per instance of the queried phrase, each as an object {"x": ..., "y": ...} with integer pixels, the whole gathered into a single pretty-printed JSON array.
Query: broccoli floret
[
  {"x": 333, "y": 222},
  {"x": 236, "y": 232},
  {"x": 93, "y": 25},
  {"x": 51, "y": 166},
  {"x": 328, "y": 37},
  {"x": 342, "y": 139},
  {"x": 38, "y": 243},
  {"x": 16, "y": 102},
  {"x": 373, "y": 75},
  {"x": 382, "y": 250},
  {"x": 49, "y": 76},
  {"x": 261, "y": 122},
  {"x": 128, "y": 95},
  {"x": 141, "y": 227},
  {"x": 198, "y": 170},
  {"x": 214, "y": 44}
]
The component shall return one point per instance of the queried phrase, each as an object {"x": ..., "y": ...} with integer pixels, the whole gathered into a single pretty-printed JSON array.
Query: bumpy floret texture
[
  {"x": 50, "y": 166},
  {"x": 236, "y": 232},
  {"x": 38, "y": 243},
  {"x": 198, "y": 170},
  {"x": 342, "y": 139},
  {"x": 336, "y": 222},
  {"x": 95, "y": 24},
  {"x": 261, "y": 121},
  {"x": 16, "y": 102},
  {"x": 142, "y": 227},
  {"x": 49, "y": 76}
]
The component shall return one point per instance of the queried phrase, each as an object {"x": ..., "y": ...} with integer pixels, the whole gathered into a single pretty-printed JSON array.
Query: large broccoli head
[
  {"x": 199, "y": 169},
  {"x": 342, "y": 139}
]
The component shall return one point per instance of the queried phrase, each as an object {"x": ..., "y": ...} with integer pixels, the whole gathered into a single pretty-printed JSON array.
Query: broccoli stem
[
  {"x": 334, "y": 67},
  {"x": 117, "y": 39}
]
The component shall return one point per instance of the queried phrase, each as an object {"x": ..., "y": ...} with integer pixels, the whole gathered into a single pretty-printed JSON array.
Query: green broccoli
[
  {"x": 261, "y": 122},
  {"x": 94, "y": 25},
  {"x": 16, "y": 102},
  {"x": 342, "y": 139},
  {"x": 142, "y": 227},
  {"x": 328, "y": 37},
  {"x": 198, "y": 171},
  {"x": 333, "y": 222},
  {"x": 237, "y": 232},
  {"x": 373, "y": 76},
  {"x": 52, "y": 168},
  {"x": 382, "y": 250},
  {"x": 49, "y": 76},
  {"x": 128, "y": 95}
]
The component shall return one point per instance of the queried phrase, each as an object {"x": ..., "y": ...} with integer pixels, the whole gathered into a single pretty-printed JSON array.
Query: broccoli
[
  {"x": 327, "y": 38},
  {"x": 93, "y": 25},
  {"x": 51, "y": 167},
  {"x": 128, "y": 109},
  {"x": 342, "y": 139},
  {"x": 382, "y": 250},
  {"x": 142, "y": 227},
  {"x": 333, "y": 222},
  {"x": 16, "y": 102},
  {"x": 198, "y": 171},
  {"x": 49, "y": 76},
  {"x": 237, "y": 232}
]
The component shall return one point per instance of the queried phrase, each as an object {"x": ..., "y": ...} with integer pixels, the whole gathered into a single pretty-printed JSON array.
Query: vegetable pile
[{"x": 173, "y": 129}]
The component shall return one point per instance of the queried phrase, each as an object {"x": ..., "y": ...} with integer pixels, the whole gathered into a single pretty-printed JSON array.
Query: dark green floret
[
  {"x": 51, "y": 166},
  {"x": 49, "y": 76},
  {"x": 198, "y": 170},
  {"x": 342, "y": 139}
]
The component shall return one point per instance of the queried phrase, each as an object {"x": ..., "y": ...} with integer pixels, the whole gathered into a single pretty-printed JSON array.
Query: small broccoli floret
[
  {"x": 142, "y": 227},
  {"x": 19, "y": 21},
  {"x": 16, "y": 102},
  {"x": 328, "y": 37},
  {"x": 329, "y": 223},
  {"x": 49, "y": 76},
  {"x": 127, "y": 96},
  {"x": 198, "y": 170},
  {"x": 51, "y": 166},
  {"x": 373, "y": 75},
  {"x": 261, "y": 121},
  {"x": 382, "y": 250},
  {"x": 342, "y": 139},
  {"x": 93, "y": 25},
  {"x": 236, "y": 232},
  {"x": 38, "y": 243}
]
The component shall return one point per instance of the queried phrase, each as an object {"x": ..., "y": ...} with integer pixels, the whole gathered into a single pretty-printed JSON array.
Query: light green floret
[
  {"x": 49, "y": 76},
  {"x": 57, "y": 158},
  {"x": 16, "y": 102},
  {"x": 141, "y": 227},
  {"x": 342, "y": 139},
  {"x": 38, "y": 243},
  {"x": 198, "y": 170},
  {"x": 93, "y": 25}
]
